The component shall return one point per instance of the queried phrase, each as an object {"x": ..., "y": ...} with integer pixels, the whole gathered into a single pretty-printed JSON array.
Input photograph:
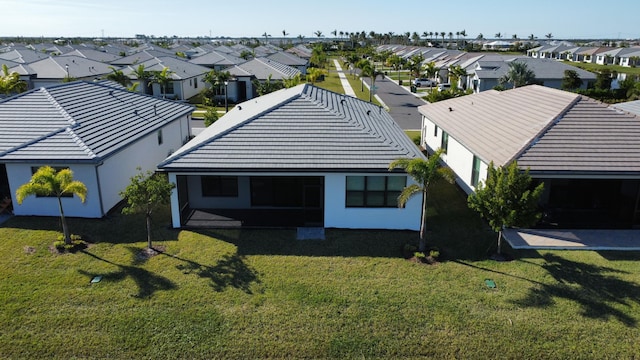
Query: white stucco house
[
  {"x": 587, "y": 153},
  {"x": 302, "y": 156},
  {"x": 100, "y": 131}
]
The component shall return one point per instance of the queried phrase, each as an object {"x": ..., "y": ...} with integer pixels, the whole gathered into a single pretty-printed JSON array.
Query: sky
[{"x": 564, "y": 19}]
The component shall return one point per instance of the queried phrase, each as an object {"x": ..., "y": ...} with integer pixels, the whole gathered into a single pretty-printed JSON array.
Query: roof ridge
[
  {"x": 58, "y": 107},
  {"x": 544, "y": 129}
]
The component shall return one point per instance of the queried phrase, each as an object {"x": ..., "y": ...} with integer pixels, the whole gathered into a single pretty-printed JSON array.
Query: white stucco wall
[
  {"x": 19, "y": 174},
  {"x": 458, "y": 157},
  {"x": 336, "y": 214},
  {"x": 104, "y": 181},
  {"x": 116, "y": 171}
]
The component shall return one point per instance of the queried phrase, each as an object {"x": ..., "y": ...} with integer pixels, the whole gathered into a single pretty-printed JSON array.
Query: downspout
[{"x": 99, "y": 189}]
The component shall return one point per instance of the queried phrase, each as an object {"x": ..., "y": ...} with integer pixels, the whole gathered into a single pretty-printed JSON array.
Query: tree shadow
[
  {"x": 595, "y": 288},
  {"x": 147, "y": 282},
  {"x": 230, "y": 271}
]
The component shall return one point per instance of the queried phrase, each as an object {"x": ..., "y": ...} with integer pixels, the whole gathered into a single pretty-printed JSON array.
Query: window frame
[{"x": 372, "y": 195}]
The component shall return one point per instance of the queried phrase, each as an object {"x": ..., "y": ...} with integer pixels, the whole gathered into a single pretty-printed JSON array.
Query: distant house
[
  {"x": 186, "y": 78},
  {"x": 101, "y": 132},
  {"x": 295, "y": 157},
  {"x": 95, "y": 55},
  {"x": 55, "y": 69},
  {"x": 260, "y": 69},
  {"x": 485, "y": 74},
  {"x": 290, "y": 60},
  {"x": 217, "y": 60},
  {"x": 587, "y": 153}
]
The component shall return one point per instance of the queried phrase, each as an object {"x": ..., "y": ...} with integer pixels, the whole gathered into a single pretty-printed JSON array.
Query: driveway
[{"x": 403, "y": 105}]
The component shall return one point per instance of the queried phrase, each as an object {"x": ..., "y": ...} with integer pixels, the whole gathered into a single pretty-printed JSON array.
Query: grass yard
[{"x": 221, "y": 294}]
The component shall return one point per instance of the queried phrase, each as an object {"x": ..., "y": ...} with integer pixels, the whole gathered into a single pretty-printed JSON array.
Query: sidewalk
[{"x": 348, "y": 90}]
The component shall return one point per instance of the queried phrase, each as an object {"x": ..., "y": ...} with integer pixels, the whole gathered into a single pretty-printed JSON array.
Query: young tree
[
  {"x": 118, "y": 76},
  {"x": 519, "y": 74},
  {"x": 507, "y": 199},
  {"x": 571, "y": 80},
  {"x": 162, "y": 78},
  {"x": 268, "y": 86},
  {"x": 145, "y": 193},
  {"x": 314, "y": 74},
  {"x": 10, "y": 83},
  {"x": 210, "y": 117},
  {"x": 424, "y": 172},
  {"x": 46, "y": 181},
  {"x": 143, "y": 77},
  {"x": 292, "y": 81}
]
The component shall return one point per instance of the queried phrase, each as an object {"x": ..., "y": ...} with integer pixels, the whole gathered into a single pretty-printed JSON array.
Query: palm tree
[
  {"x": 162, "y": 78},
  {"x": 456, "y": 73},
  {"x": 118, "y": 76},
  {"x": 266, "y": 37},
  {"x": 424, "y": 173},
  {"x": 46, "y": 181},
  {"x": 318, "y": 34},
  {"x": 143, "y": 77},
  {"x": 313, "y": 74},
  {"x": 368, "y": 70},
  {"x": 431, "y": 70},
  {"x": 498, "y": 35},
  {"x": 11, "y": 83},
  {"x": 442, "y": 34},
  {"x": 415, "y": 66},
  {"x": 549, "y": 36},
  {"x": 335, "y": 33},
  {"x": 519, "y": 74}
]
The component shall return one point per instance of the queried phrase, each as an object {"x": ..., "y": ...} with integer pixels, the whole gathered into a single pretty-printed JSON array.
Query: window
[
  {"x": 445, "y": 142},
  {"x": 160, "y": 137},
  {"x": 221, "y": 186},
  {"x": 475, "y": 171},
  {"x": 195, "y": 83},
  {"x": 435, "y": 130},
  {"x": 374, "y": 191},
  {"x": 169, "y": 88},
  {"x": 56, "y": 168}
]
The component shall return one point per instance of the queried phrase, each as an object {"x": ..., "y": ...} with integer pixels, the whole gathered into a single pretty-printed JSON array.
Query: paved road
[{"x": 403, "y": 105}]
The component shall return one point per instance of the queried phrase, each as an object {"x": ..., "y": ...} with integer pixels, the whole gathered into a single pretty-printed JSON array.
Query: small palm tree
[
  {"x": 424, "y": 173},
  {"x": 519, "y": 74},
  {"x": 142, "y": 75},
  {"x": 161, "y": 78},
  {"x": 46, "y": 181},
  {"x": 118, "y": 76},
  {"x": 10, "y": 83}
]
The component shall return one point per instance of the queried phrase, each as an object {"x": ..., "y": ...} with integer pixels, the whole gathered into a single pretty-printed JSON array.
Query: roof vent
[
  {"x": 450, "y": 109},
  {"x": 369, "y": 112},
  {"x": 239, "y": 107}
]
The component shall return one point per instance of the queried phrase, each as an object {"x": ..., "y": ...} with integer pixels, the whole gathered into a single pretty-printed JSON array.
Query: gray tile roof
[
  {"x": 56, "y": 67},
  {"x": 180, "y": 69},
  {"x": 216, "y": 58},
  {"x": 546, "y": 129},
  {"x": 79, "y": 122},
  {"x": 96, "y": 55},
  {"x": 141, "y": 56},
  {"x": 288, "y": 59},
  {"x": 23, "y": 55},
  {"x": 544, "y": 69},
  {"x": 304, "y": 128},
  {"x": 261, "y": 68}
]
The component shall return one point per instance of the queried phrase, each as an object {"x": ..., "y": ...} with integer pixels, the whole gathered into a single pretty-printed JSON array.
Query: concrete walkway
[
  {"x": 348, "y": 90},
  {"x": 626, "y": 240}
]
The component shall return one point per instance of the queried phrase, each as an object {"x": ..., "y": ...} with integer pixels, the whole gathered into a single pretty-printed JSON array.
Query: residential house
[
  {"x": 294, "y": 157},
  {"x": 587, "y": 153},
  {"x": 186, "y": 78},
  {"x": 290, "y": 60},
  {"x": 55, "y": 69},
  {"x": 95, "y": 55},
  {"x": 259, "y": 69},
  {"x": 217, "y": 60},
  {"x": 102, "y": 133},
  {"x": 485, "y": 74}
]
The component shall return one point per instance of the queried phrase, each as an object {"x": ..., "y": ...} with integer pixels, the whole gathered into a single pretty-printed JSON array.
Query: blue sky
[{"x": 617, "y": 19}]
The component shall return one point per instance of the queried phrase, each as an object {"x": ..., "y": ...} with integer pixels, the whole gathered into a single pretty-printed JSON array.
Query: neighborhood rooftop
[
  {"x": 79, "y": 121},
  {"x": 303, "y": 128},
  {"x": 542, "y": 128}
]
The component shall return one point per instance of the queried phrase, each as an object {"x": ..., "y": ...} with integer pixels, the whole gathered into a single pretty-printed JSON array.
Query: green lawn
[{"x": 262, "y": 294}]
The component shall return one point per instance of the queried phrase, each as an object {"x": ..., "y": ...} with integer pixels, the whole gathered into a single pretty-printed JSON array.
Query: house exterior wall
[
  {"x": 457, "y": 157},
  {"x": 336, "y": 214},
  {"x": 103, "y": 181},
  {"x": 19, "y": 174},
  {"x": 116, "y": 171}
]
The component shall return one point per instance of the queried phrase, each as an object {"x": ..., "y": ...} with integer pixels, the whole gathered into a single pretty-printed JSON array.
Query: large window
[
  {"x": 220, "y": 186},
  {"x": 374, "y": 191},
  {"x": 475, "y": 171},
  {"x": 445, "y": 142}
]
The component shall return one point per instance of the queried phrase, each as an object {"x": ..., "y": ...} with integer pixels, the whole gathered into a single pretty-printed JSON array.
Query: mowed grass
[{"x": 220, "y": 294}]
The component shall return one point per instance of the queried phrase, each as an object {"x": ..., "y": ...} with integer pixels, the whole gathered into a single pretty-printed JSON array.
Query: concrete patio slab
[{"x": 623, "y": 240}]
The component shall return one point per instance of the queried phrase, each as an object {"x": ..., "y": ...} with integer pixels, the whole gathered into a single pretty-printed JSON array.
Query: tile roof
[
  {"x": 288, "y": 59},
  {"x": 545, "y": 129},
  {"x": 214, "y": 58},
  {"x": 180, "y": 69},
  {"x": 79, "y": 121},
  {"x": 94, "y": 55},
  {"x": 261, "y": 68},
  {"x": 303, "y": 128},
  {"x": 56, "y": 67}
]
